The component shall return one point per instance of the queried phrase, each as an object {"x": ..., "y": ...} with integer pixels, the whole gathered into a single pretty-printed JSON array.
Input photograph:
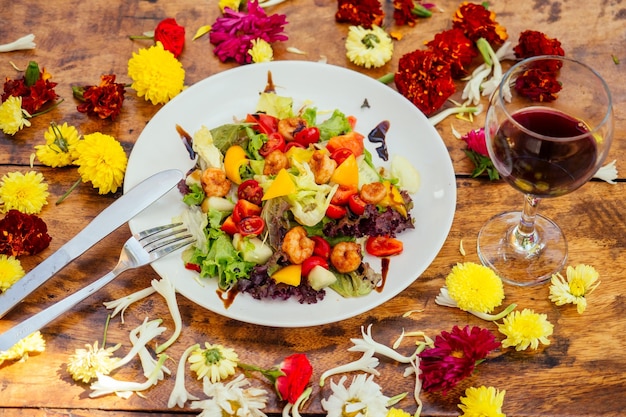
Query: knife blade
[{"x": 121, "y": 211}]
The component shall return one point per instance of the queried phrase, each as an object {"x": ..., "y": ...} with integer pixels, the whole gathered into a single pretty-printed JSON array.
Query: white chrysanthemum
[
  {"x": 369, "y": 48},
  {"x": 85, "y": 364},
  {"x": 232, "y": 399},
  {"x": 363, "y": 398},
  {"x": 580, "y": 282}
]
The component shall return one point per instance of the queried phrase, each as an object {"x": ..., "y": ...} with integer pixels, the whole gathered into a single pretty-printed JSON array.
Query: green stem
[
  {"x": 484, "y": 47},
  {"x": 387, "y": 78},
  {"x": 133, "y": 37},
  {"x": 54, "y": 106},
  {"x": 421, "y": 11},
  {"x": 64, "y": 196}
]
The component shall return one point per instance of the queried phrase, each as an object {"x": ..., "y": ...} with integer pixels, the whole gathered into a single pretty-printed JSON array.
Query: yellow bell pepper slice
[
  {"x": 290, "y": 275},
  {"x": 347, "y": 173},
  {"x": 393, "y": 199},
  {"x": 234, "y": 159},
  {"x": 300, "y": 155},
  {"x": 281, "y": 186}
]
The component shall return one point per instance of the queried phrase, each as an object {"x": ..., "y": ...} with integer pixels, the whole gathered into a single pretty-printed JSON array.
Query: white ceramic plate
[{"x": 233, "y": 93}]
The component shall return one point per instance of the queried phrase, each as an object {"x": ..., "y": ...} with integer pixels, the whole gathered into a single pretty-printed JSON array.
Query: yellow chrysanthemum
[
  {"x": 524, "y": 329},
  {"x": 216, "y": 362},
  {"x": 30, "y": 344},
  {"x": 482, "y": 402},
  {"x": 59, "y": 150},
  {"x": 27, "y": 193},
  {"x": 580, "y": 282},
  {"x": 84, "y": 364},
  {"x": 475, "y": 287},
  {"x": 232, "y": 4},
  {"x": 157, "y": 75},
  {"x": 395, "y": 412},
  {"x": 369, "y": 48},
  {"x": 101, "y": 160},
  {"x": 10, "y": 271},
  {"x": 261, "y": 51},
  {"x": 12, "y": 116}
]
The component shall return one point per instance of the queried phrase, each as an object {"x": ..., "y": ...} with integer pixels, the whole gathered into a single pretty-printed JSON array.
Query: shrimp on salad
[
  {"x": 297, "y": 245},
  {"x": 346, "y": 256},
  {"x": 274, "y": 162},
  {"x": 215, "y": 183},
  {"x": 322, "y": 166}
]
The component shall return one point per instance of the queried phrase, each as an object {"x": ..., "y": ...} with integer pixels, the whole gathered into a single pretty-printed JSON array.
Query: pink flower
[
  {"x": 233, "y": 33},
  {"x": 475, "y": 140},
  {"x": 454, "y": 357}
]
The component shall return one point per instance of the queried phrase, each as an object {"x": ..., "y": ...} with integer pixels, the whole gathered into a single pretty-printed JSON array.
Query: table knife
[{"x": 121, "y": 211}]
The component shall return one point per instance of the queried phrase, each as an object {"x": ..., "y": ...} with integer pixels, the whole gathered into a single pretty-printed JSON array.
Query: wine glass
[{"x": 548, "y": 130}]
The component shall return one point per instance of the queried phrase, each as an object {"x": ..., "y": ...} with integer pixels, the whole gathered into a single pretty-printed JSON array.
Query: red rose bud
[
  {"x": 171, "y": 35},
  {"x": 297, "y": 371}
]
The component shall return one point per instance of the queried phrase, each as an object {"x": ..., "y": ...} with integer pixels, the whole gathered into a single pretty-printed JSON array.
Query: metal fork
[{"x": 141, "y": 249}]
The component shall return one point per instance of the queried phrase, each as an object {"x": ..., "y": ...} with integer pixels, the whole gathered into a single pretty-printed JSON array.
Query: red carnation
[
  {"x": 171, "y": 35},
  {"x": 104, "y": 100},
  {"x": 478, "y": 22},
  {"x": 455, "y": 48},
  {"x": 23, "y": 234},
  {"x": 364, "y": 13}
]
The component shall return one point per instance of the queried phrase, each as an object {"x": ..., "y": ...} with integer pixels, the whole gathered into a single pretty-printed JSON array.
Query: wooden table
[{"x": 583, "y": 370}]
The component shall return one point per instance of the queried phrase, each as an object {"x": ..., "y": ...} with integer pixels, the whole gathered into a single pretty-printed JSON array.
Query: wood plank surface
[{"x": 581, "y": 373}]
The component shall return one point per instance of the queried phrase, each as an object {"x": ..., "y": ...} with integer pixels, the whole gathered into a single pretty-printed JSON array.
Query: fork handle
[{"x": 39, "y": 320}]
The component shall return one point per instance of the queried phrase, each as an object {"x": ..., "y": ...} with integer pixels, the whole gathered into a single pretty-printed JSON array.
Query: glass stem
[{"x": 524, "y": 236}]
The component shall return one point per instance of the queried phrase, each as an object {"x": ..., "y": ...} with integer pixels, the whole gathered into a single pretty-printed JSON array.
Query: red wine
[{"x": 542, "y": 167}]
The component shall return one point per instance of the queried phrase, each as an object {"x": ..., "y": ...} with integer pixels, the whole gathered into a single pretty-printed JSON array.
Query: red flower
[
  {"x": 34, "y": 94},
  {"x": 23, "y": 234},
  {"x": 171, "y": 35},
  {"x": 425, "y": 80},
  {"x": 455, "y": 48},
  {"x": 478, "y": 22},
  {"x": 475, "y": 140},
  {"x": 534, "y": 43},
  {"x": 454, "y": 357},
  {"x": 104, "y": 100},
  {"x": 360, "y": 13},
  {"x": 233, "y": 33},
  {"x": 403, "y": 12},
  {"x": 538, "y": 85}
]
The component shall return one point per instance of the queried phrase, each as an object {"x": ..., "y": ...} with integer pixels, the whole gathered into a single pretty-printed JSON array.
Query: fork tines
[{"x": 154, "y": 239}]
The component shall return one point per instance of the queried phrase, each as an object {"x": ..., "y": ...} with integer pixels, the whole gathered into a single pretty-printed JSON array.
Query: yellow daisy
[
  {"x": 369, "y": 48},
  {"x": 482, "y": 402},
  {"x": 30, "y": 344},
  {"x": 524, "y": 329},
  {"x": 157, "y": 75},
  {"x": 580, "y": 282},
  {"x": 10, "y": 271},
  {"x": 59, "y": 150},
  {"x": 101, "y": 160},
  {"x": 261, "y": 51},
  {"x": 27, "y": 193},
  {"x": 216, "y": 362},
  {"x": 396, "y": 412},
  {"x": 12, "y": 116},
  {"x": 84, "y": 364}
]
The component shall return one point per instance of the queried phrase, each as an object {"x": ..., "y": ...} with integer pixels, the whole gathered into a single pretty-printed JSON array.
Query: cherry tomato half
[
  {"x": 251, "y": 191},
  {"x": 336, "y": 212},
  {"x": 229, "y": 226},
  {"x": 245, "y": 208},
  {"x": 275, "y": 141},
  {"x": 322, "y": 247},
  {"x": 264, "y": 122},
  {"x": 193, "y": 267},
  {"x": 341, "y": 155},
  {"x": 342, "y": 194},
  {"x": 383, "y": 246},
  {"x": 311, "y": 262},
  {"x": 252, "y": 225},
  {"x": 356, "y": 204},
  {"x": 307, "y": 136}
]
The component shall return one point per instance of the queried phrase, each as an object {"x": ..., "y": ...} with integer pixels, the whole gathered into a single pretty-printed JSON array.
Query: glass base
[{"x": 522, "y": 260}]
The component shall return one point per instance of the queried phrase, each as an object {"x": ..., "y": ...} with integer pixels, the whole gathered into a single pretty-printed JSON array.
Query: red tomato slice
[
  {"x": 383, "y": 246},
  {"x": 356, "y": 204},
  {"x": 336, "y": 212},
  {"x": 252, "y": 225},
  {"x": 341, "y": 155},
  {"x": 251, "y": 191},
  {"x": 193, "y": 267},
  {"x": 275, "y": 141},
  {"x": 245, "y": 208},
  {"x": 352, "y": 140},
  {"x": 293, "y": 144},
  {"x": 229, "y": 226},
  {"x": 264, "y": 123},
  {"x": 342, "y": 194},
  {"x": 322, "y": 247},
  {"x": 307, "y": 136},
  {"x": 311, "y": 262}
]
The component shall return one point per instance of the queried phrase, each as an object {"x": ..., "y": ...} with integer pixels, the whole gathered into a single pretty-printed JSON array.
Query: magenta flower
[
  {"x": 233, "y": 33},
  {"x": 454, "y": 357},
  {"x": 475, "y": 140}
]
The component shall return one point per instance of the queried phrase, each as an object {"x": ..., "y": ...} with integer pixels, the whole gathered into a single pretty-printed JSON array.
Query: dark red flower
[
  {"x": 171, "y": 35},
  {"x": 533, "y": 43},
  {"x": 475, "y": 140},
  {"x": 454, "y": 357},
  {"x": 233, "y": 33},
  {"x": 425, "y": 80},
  {"x": 403, "y": 12},
  {"x": 104, "y": 100},
  {"x": 538, "y": 85},
  {"x": 478, "y": 22},
  {"x": 360, "y": 13},
  {"x": 35, "y": 96},
  {"x": 455, "y": 48},
  {"x": 297, "y": 371},
  {"x": 23, "y": 234}
]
